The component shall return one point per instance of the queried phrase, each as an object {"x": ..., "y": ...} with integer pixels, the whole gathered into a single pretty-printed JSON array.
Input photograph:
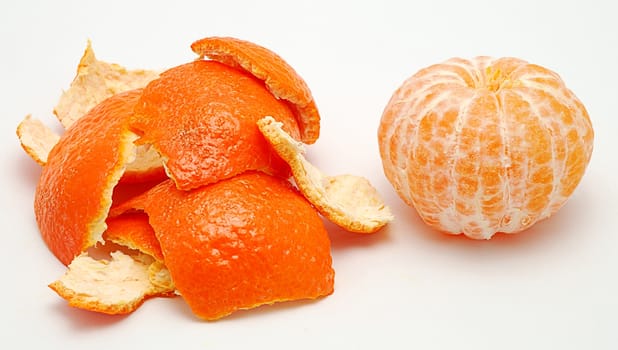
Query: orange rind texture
[
  {"x": 74, "y": 192},
  {"x": 485, "y": 145},
  {"x": 226, "y": 229},
  {"x": 201, "y": 117},
  {"x": 239, "y": 243},
  {"x": 347, "y": 200},
  {"x": 133, "y": 231},
  {"x": 280, "y": 78}
]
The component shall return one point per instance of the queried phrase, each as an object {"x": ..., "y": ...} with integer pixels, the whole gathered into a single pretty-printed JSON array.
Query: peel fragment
[
  {"x": 94, "y": 82},
  {"x": 242, "y": 240},
  {"x": 120, "y": 282},
  {"x": 36, "y": 139},
  {"x": 200, "y": 116},
  {"x": 133, "y": 231},
  {"x": 347, "y": 200},
  {"x": 239, "y": 243},
  {"x": 75, "y": 189},
  {"x": 278, "y": 76},
  {"x": 115, "y": 286}
]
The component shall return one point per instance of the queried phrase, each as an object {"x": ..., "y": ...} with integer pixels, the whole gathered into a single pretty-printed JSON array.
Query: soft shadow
[
  {"x": 125, "y": 191},
  {"x": 553, "y": 230},
  {"x": 342, "y": 239},
  {"x": 26, "y": 169},
  {"x": 84, "y": 320},
  {"x": 554, "y": 233},
  {"x": 179, "y": 306},
  {"x": 262, "y": 310}
]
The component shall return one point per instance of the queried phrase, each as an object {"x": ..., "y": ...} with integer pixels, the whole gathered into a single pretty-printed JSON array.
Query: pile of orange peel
[{"x": 191, "y": 182}]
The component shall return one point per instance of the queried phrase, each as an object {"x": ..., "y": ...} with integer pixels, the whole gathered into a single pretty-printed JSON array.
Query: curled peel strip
[
  {"x": 349, "y": 201},
  {"x": 36, "y": 139}
]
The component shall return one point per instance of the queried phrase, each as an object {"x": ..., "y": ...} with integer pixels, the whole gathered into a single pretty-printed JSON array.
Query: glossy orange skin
[
  {"x": 71, "y": 193},
  {"x": 202, "y": 117},
  {"x": 133, "y": 230},
  {"x": 280, "y": 78},
  {"x": 240, "y": 243}
]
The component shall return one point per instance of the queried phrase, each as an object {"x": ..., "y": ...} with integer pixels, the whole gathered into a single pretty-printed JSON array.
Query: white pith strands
[{"x": 458, "y": 84}]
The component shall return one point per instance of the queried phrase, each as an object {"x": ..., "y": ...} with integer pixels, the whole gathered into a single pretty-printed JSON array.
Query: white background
[{"x": 553, "y": 287}]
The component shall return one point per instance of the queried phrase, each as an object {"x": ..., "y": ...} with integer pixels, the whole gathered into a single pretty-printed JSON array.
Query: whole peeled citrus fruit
[{"x": 485, "y": 145}]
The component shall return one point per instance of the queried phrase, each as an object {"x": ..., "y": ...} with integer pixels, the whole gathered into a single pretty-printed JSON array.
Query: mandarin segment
[
  {"x": 280, "y": 78},
  {"x": 201, "y": 118},
  {"x": 240, "y": 243},
  {"x": 484, "y": 145}
]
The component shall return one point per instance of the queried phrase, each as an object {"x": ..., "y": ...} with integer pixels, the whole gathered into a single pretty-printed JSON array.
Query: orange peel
[
  {"x": 75, "y": 189},
  {"x": 280, "y": 78},
  {"x": 95, "y": 81},
  {"x": 36, "y": 139},
  {"x": 201, "y": 116},
  {"x": 227, "y": 231},
  {"x": 121, "y": 282},
  {"x": 118, "y": 285},
  {"x": 133, "y": 231},
  {"x": 349, "y": 201},
  {"x": 239, "y": 243}
]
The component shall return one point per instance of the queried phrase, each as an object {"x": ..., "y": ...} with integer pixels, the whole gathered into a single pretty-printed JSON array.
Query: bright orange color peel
[
  {"x": 485, "y": 145},
  {"x": 201, "y": 117},
  {"x": 280, "y": 78},
  {"x": 272, "y": 241},
  {"x": 239, "y": 243},
  {"x": 227, "y": 231},
  {"x": 133, "y": 231},
  {"x": 74, "y": 192}
]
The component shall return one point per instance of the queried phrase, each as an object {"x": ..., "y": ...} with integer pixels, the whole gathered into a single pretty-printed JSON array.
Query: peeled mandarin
[{"x": 485, "y": 145}]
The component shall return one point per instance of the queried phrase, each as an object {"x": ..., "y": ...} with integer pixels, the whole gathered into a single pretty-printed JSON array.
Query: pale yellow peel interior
[
  {"x": 36, "y": 139},
  {"x": 119, "y": 283},
  {"x": 115, "y": 286},
  {"x": 94, "y": 82},
  {"x": 347, "y": 200}
]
